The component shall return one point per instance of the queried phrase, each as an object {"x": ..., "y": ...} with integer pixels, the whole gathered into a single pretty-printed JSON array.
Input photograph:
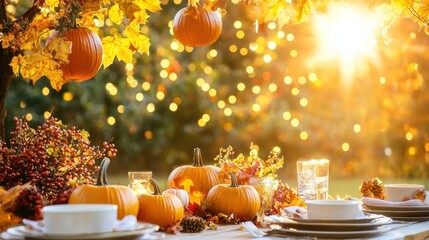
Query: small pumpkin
[
  {"x": 242, "y": 201},
  {"x": 160, "y": 209},
  {"x": 197, "y": 179},
  {"x": 104, "y": 193},
  {"x": 86, "y": 54},
  {"x": 180, "y": 193},
  {"x": 196, "y": 26}
]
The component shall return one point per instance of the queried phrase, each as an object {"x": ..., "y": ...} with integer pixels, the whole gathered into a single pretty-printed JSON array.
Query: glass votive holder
[
  {"x": 139, "y": 181},
  {"x": 265, "y": 186},
  {"x": 313, "y": 179}
]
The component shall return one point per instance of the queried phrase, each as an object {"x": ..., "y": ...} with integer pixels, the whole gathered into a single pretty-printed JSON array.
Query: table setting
[{"x": 239, "y": 196}]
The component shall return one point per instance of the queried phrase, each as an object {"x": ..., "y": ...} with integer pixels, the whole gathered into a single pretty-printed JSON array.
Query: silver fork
[
  {"x": 257, "y": 233},
  {"x": 252, "y": 229}
]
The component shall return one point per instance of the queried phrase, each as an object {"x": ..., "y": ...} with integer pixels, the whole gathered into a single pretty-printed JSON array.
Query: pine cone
[
  {"x": 419, "y": 194},
  {"x": 193, "y": 224},
  {"x": 373, "y": 188},
  {"x": 28, "y": 204}
]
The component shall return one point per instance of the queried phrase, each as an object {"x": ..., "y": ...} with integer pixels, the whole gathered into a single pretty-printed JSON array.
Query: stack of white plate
[
  {"x": 367, "y": 225},
  {"x": 404, "y": 213}
]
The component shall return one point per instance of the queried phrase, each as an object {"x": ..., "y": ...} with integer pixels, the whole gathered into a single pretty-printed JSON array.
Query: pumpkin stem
[
  {"x": 198, "y": 160},
  {"x": 233, "y": 180},
  {"x": 156, "y": 190},
  {"x": 102, "y": 175}
]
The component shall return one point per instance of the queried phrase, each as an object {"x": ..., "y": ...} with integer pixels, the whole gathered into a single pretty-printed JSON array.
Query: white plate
[
  {"x": 141, "y": 229},
  {"x": 392, "y": 214},
  {"x": 368, "y": 217},
  {"x": 336, "y": 226},
  {"x": 396, "y": 208},
  {"x": 333, "y": 234}
]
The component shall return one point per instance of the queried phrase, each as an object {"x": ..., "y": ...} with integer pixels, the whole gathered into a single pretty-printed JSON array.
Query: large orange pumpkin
[
  {"x": 86, "y": 54},
  {"x": 197, "y": 179},
  {"x": 196, "y": 26},
  {"x": 242, "y": 201},
  {"x": 162, "y": 209},
  {"x": 120, "y": 195}
]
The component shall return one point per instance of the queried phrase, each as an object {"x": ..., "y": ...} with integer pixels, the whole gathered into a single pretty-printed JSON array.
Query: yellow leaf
[
  {"x": 7, "y": 40},
  {"x": 59, "y": 49},
  {"x": 132, "y": 30},
  {"x": 15, "y": 64},
  {"x": 303, "y": 9},
  {"x": 140, "y": 17},
  {"x": 56, "y": 79},
  {"x": 51, "y": 4},
  {"x": 124, "y": 52},
  {"x": 150, "y": 5},
  {"x": 109, "y": 50},
  {"x": 141, "y": 44},
  {"x": 115, "y": 14},
  {"x": 402, "y": 5}
]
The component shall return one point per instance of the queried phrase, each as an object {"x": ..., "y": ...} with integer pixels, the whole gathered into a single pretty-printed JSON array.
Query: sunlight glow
[{"x": 347, "y": 33}]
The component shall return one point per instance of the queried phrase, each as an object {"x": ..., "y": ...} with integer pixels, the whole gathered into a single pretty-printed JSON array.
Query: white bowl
[
  {"x": 79, "y": 218},
  {"x": 333, "y": 209},
  {"x": 398, "y": 192}
]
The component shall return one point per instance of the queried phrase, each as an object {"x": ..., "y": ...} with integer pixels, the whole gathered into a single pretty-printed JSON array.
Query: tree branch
[
  {"x": 29, "y": 14},
  {"x": 3, "y": 15}
]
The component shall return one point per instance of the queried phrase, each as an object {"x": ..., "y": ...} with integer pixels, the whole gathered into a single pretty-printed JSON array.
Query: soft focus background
[{"x": 339, "y": 87}]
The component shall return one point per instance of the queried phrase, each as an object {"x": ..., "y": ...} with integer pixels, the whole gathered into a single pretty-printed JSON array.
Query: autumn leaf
[
  {"x": 109, "y": 50},
  {"x": 402, "y": 5},
  {"x": 303, "y": 10},
  {"x": 150, "y": 5},
  {"x": 115, "y": 14},
  {"x": 118, "y": 47}
]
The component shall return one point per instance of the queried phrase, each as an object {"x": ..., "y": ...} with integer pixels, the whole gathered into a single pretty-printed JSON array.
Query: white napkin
[
  {"x": 379, "y": 202},
  {"x": 127, "y": 223},
  {"x": 296, "y": 212}
]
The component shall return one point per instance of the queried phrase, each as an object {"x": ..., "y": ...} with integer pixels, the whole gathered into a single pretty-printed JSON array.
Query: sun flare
[{"x": 347, "y": 33}]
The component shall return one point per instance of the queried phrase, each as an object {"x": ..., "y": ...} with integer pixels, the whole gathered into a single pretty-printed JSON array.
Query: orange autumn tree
[{"x": 28, "y": 49}]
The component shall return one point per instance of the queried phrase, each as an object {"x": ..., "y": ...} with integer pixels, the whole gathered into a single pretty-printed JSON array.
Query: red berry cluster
[{"x": 52, "y": 157}]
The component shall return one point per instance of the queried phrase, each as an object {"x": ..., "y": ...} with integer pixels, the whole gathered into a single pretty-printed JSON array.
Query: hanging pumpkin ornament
[
  {"x": 86, "y": 54},
  {"x": 196, "y": 179},
  {"x": 242, "y": 201},
  {"x": 103, "y": 193},
  {"x": 162, "y": 209},
  {"x": 196, "y": 26}
]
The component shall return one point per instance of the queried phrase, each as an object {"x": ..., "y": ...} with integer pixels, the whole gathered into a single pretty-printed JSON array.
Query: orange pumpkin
[
  {"x": 196, "y": 26},
  {"x": 86, "y": 54},
  {"x": 120, "y": 195},
  {"x": 242, "y": 201},
  {"x": 161, "y": 209},
  {"x": 197, "y": 179}
]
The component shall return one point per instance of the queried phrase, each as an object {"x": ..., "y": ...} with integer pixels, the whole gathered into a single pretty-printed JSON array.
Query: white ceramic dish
[
  {"x": 141, "y": 229},
  {"x": 79, "y": 218},
  {"x": 333, "y": 234},
  {"x": 333, "y": 209},
  {"x": 397, "y": 192},
  {"x": 317, "y": 226},
  {"x": 367, "y": 217},
  {"x": 392, "y": 214}
]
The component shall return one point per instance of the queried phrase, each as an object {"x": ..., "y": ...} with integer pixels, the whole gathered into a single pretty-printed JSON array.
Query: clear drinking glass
[
  {"x": 313, "y": 179},
  {"x": 139, "y": 181}
]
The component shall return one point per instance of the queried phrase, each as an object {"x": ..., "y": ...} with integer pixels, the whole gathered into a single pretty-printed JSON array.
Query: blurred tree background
[{"x": 272, "y": 87}]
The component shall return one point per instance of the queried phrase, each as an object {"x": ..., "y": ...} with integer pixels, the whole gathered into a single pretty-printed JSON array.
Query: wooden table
[{"x": 415, "y": 231}]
